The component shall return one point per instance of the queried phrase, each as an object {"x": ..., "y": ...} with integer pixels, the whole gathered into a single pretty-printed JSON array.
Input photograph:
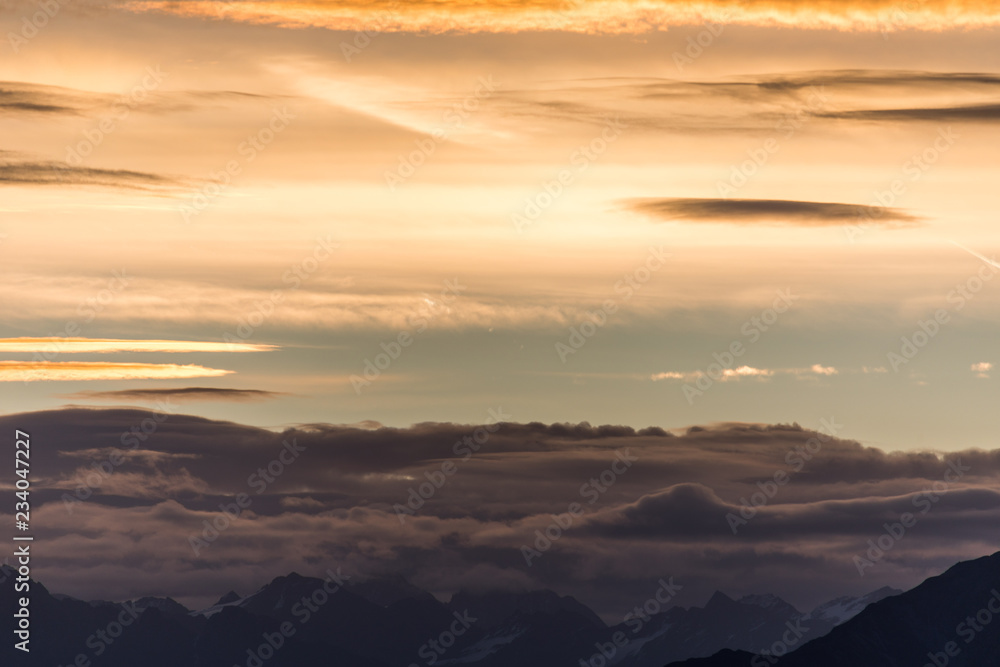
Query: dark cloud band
[{"x": 762, "y": 211}]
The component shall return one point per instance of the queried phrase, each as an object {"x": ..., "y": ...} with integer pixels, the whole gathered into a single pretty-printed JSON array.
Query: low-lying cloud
[
  {"x": 178, "y": 394},
  {"x": 375, "y": 500},
  {"x": 762, "y": 211}
]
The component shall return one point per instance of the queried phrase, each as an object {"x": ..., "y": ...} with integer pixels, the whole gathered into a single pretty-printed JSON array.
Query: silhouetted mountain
[
  {"x": 908, "y": 629},
  {"x": 231, "y": 596},
  {"x": 118, "y": 634},
  {"x": 830, "y": 614},
  {"x": 494, "y": 607},
  {"x": 952, "y": 619},
  {"x": 751, "y": 624},
  {"x": 724, "y": 658},
  {"x": 297, "y": 621},
  {"x": 385, "y": 591},
  {"x": 721, "y": 623},
  {"x": 166, "y": 605}
]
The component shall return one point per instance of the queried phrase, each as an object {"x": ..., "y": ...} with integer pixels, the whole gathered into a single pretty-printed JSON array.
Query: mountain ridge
[{"x": 386, "y": 621}]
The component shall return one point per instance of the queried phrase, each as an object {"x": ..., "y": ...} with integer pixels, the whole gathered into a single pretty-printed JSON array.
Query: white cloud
[
  {"x": 982, "y": 369},
  {"x": 741, "y": 372}
]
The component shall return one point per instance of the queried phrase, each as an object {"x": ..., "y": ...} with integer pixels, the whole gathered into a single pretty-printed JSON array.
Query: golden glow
[
  {"x": 108, "y": 345},
  {"x": 66, "y": 371},
  {"x": 598, "y": 17}
]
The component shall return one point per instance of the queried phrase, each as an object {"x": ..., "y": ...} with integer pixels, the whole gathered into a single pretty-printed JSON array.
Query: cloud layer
[
  {"x": 381, "y": 500},
  {"x": 594, "y": 16}
]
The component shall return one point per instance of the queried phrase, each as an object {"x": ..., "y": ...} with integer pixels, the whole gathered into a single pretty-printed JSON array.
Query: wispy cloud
[
  {"x": 970, "y": 112},
  {"x": 109, "y": 345},
  {"x": 726, "y": 374},
  {"x": 25, "y": 97},
  {"x": 819, "y": 369},
  {"x": 762, "y": 211},
  {"x": 180, "y": 395},
  {"x": 747, "y": 372},
  {"x": 20, "y": 97},
  {"x": 75, "y": 371},
  {"x": 16, "y": 172}
]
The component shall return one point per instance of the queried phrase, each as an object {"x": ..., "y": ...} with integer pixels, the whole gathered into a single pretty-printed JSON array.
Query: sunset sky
[{"x": 565, "y": 210}]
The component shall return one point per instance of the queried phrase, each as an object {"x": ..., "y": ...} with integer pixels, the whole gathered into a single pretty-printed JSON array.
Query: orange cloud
[
  {"x": 40, "y": 371},
  {"x": 596, "y": 16},
  {"x": 107, "y": 345}
]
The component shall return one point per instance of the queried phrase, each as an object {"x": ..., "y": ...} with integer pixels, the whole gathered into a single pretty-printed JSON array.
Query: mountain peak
[
  {"x": 847, "y": 607},
  {"x": 885, "y": 592},
  {"x": 719, "y": 600},
  {"x": 387, "y": 590},
  {"x": 228, "y": 598},
  {"x": 904, "y": 629},
  {"x": 166, "y": 605},
  {"x": 290, "y": 578},
  {"x": 497, "y": 606}
]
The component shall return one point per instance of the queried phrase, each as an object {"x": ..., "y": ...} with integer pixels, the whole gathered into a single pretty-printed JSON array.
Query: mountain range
[
  {"x": 297, "y": 621},
  {"x": 952, "y": 619}
]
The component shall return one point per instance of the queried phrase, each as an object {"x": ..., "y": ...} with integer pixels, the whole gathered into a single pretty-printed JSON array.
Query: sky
[{"x": 326, "y": 217}]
